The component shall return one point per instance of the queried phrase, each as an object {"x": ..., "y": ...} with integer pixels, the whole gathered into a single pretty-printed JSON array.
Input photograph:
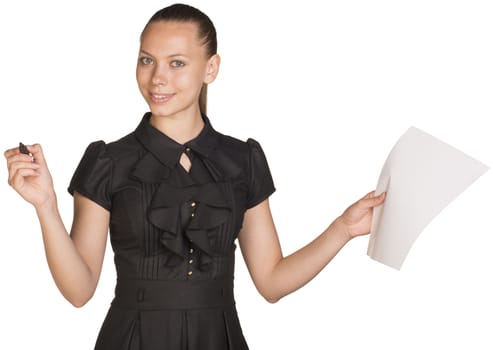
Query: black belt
[{"x": 186, "y": 294}]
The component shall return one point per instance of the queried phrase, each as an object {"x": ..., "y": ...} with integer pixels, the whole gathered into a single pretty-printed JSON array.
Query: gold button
[
  {"x": 193, "y": 204},
  {"x": 190, "y": 273},
  {"x": 191, "y": 250},
  {"x": 190, "y": 261}
]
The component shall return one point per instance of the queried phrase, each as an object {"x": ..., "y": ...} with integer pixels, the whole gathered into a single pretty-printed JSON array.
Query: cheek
[
  {"x": 143, "y": 76},
  {"x": 188, "y": 79}
]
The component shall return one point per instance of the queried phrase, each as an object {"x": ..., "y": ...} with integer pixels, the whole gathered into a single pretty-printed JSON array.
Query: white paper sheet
[{"x": 421, "y": 176}]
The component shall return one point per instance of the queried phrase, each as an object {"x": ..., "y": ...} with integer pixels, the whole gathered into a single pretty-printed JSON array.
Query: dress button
[
  {"x": 193, "y": 204},
  {"x": 187, "y": 149},
  {"x": 191, "y": 251},
  {"x": 190, "y": 273},
  {"x": 190, "y": 261},
  {"x": 192, "y": 215}
]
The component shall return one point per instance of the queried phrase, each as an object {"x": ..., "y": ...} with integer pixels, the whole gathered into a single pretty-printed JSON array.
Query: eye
[
  {"x": 177, "y": 63},
  {"x": 146, "y": 61}
]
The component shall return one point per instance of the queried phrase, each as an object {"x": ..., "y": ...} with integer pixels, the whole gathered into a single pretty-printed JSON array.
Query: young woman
[{"x": 175, "y": 195}]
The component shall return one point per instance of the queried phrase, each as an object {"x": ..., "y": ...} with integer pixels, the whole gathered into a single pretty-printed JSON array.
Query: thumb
[
  {"x": 372, "y": 200},
  {"x": 37, "y": 153}
]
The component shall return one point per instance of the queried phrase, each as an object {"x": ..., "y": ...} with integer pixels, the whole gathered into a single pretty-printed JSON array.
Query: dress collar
[{"x": 167, "y": 150}]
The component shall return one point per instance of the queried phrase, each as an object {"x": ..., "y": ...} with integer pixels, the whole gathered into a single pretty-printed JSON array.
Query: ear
[{"x": 212, "y": 69}]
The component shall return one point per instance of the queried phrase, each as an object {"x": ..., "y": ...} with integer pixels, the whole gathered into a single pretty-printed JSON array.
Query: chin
[{"x": 161, "y": 111}]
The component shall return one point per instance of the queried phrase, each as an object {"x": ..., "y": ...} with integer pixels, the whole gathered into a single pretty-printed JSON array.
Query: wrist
[
  {"x": 341, "y": 229},
  {"x": 48, "y": 205}
]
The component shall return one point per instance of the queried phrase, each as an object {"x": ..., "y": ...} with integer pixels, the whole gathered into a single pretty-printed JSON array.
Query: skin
[
  {"x": 171, "y": 69},
  {"x": 173, "y": 65}
]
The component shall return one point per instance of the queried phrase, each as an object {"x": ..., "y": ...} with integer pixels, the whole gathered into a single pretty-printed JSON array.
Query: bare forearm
[
  {"x": 70, "y": 273},
  {"x": 294, "y": 271},
  {"x": 276, "y": 276}
]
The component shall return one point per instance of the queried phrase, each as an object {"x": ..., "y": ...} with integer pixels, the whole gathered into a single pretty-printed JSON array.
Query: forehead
[{"x": 164, "y": 36}]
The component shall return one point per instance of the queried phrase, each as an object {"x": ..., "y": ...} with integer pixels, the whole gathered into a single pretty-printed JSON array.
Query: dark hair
[{"x": 206, "y": 31}]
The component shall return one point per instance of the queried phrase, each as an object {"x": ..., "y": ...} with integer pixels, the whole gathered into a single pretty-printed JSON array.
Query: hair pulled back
[{"x": 206, "y": 32}]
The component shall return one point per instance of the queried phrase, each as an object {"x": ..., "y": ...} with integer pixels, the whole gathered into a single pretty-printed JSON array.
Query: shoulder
[
  {"x": 247, "y": 159},
  {"x": 236, "y": 147},
  {"x": 241, "y": 157},
  {"x": 119, "y": 153},
  {"x": 126, "y": 146}
]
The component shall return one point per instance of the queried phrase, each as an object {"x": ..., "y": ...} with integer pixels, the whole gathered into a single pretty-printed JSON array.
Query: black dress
[{"x": 173, "y": 234}]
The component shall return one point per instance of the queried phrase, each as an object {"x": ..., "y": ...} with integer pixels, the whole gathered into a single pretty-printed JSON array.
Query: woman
[{"x": 176, "y": 195}]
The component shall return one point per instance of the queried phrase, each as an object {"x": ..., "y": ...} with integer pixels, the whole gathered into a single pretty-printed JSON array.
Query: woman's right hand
[{"x": 29, "y": 175}]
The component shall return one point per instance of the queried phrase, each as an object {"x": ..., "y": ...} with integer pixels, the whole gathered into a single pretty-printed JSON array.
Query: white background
[{"x": 326, "y": 88}]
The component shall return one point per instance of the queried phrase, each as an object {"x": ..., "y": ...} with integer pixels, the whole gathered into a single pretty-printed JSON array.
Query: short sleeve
[
  {"x": 92, "y": 177},
  {"x": 261, "y": 184}
]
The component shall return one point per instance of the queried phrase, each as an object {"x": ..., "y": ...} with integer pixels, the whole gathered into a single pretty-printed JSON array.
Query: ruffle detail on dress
[
  {"x": 170, "y": 205},
  {"x": 165, "y": 212}
]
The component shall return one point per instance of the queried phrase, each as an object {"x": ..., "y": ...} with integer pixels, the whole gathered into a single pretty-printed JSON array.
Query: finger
[
  {"x": 372, "y": 200},
  {"x": 376, "y": 200},
  {"x": 369, "y": 195},
  {"x": 19, "y": 157},
  {"x": 17, "y": 180},
  {"x": 20, "y": 161},
  {"x": 37, "y": 152},
  {"x": 14, "y": 166},
  {"x": 14, "y": 151},
  {"x": 10, "y": 152}
]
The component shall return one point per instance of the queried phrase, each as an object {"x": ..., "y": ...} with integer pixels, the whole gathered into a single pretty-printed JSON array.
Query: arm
[
  {"x": 276, "y": 276},
  {"x": 75, "y": 260}
]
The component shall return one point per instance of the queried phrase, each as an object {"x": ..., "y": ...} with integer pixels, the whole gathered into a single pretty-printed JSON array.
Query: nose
[{"x": 159, "y": 76}]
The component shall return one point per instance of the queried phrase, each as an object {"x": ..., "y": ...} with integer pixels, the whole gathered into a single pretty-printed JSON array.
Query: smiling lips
[{"x": 161, "y": 98}]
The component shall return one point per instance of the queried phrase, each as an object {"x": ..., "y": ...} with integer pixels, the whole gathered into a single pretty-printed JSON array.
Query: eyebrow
[{"x": 169, "y": 56}]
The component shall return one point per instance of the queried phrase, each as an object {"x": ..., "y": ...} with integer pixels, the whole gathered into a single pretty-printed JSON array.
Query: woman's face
[{"x": 172, "y": 67}]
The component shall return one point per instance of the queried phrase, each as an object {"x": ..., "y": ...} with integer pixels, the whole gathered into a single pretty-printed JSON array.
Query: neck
[{"x": 182, "y": 128}]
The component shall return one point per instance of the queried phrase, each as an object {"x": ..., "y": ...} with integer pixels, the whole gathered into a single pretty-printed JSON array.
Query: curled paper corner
[{"x": 427, "y": 174}]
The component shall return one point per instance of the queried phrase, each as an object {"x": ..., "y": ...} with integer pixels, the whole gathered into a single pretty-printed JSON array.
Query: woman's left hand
[{"x": 356, "y": 220}]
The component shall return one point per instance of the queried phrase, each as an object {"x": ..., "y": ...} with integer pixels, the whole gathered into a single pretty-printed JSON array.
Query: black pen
[{"x": 23, "y": 149}]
